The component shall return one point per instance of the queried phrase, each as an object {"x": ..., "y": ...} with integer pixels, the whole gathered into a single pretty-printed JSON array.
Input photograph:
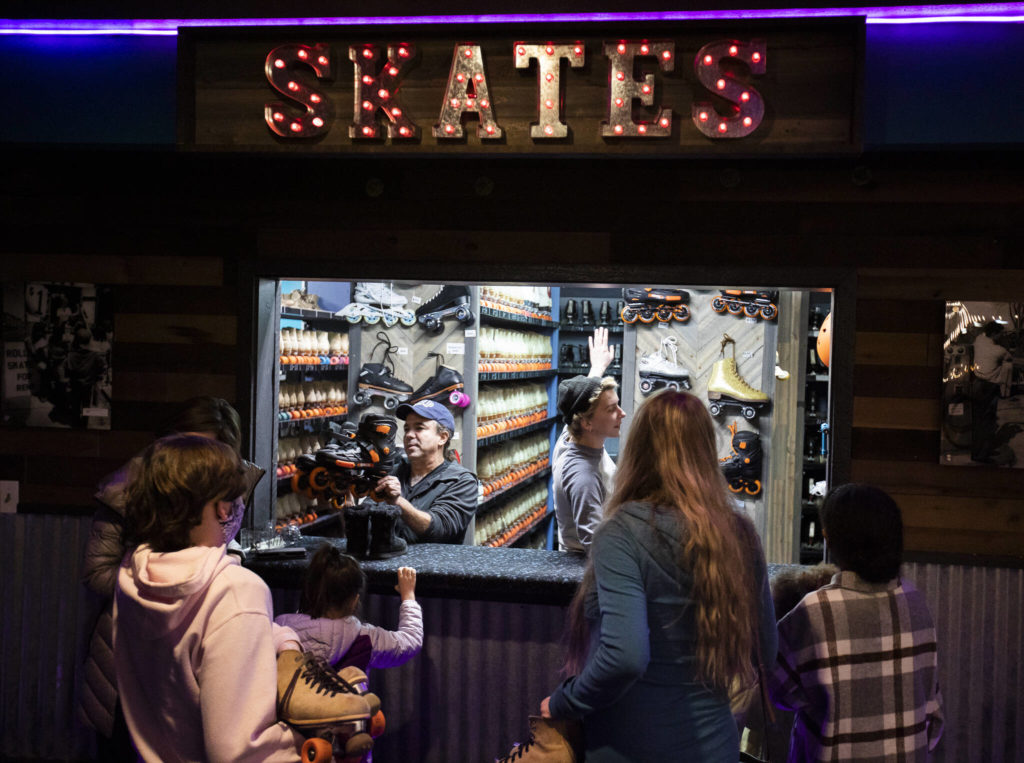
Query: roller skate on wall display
[
  {"x": 379, "y": 380},
  {"x": 749, "y": 302},
  {"x": 373, "y": 302},
  {"x": 743, "y": 468},
  {"x": 332, "y": 708},
  {"x": 661, "y": 369},
  {"x": 446, "y": 384},
  {"x": 449, "y": 302},
  {"x": 647, "y": 304},
  {"x": 727, "y": 388},
  {"x": 351, "y": 464}
]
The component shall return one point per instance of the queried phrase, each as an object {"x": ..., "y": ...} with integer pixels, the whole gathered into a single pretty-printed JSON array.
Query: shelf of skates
[
  {"x": 311, "y": 401},
  {"x": 579, "y": 316},
  {"x": 505, "y": 526},
  {"x": 311, "y": 348},
  {"x": 510, "y": 354},
  {"x": 516, "y": 305},
  {"x": 494, "y": 315},
  {"x": 502, "y": 469}
]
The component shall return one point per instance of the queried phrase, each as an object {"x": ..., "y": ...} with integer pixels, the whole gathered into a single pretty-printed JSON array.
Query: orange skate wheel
[
  {"x": 377, "y": 724},
  {"x": 317, "y": 750}
]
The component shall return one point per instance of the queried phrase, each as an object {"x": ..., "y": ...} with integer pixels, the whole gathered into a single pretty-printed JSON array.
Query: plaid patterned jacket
[{"x": 857, "y": 662}]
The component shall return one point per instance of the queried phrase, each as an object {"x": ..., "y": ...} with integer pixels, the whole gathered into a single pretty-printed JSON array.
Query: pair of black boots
[{"x": 371, "y": 531}]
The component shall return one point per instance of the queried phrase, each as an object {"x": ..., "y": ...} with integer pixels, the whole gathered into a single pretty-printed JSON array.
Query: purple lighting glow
[{"x": 902, "y": 14}]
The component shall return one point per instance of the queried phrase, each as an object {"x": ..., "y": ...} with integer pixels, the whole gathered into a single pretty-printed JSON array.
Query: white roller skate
[{"x": 661, "y": 369}]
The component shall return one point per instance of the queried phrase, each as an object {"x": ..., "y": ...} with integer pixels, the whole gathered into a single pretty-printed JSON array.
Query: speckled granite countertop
[{"x": 458, "y": 572}]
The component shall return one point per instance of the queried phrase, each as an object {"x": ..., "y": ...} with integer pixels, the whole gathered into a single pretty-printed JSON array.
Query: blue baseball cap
[{"x": 428, "y": 409}]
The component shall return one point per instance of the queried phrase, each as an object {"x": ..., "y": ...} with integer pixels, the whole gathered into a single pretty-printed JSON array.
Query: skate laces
[
  {"x": 389, "y": 350},
  {"x": 732, "y": 433},
  {"x": 323, "y": 679},
  {"x": 518, "y": 752},
  {"x": 737, "y": 379}
]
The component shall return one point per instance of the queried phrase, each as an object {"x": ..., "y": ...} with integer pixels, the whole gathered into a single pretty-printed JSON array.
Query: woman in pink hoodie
[{"x": 195, "y": 646}]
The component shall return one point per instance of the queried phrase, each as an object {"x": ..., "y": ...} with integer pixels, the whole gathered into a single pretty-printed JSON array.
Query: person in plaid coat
[{"x": 857, "y": 658}]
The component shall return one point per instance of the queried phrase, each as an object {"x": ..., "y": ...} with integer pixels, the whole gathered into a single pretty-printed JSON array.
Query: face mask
[{"x": 233, "y": 523}]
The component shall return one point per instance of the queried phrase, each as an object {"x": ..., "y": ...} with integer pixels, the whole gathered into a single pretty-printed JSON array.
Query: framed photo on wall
[
  {"x": 983, "y": 384},
  {"x": 57, "y": 365}
]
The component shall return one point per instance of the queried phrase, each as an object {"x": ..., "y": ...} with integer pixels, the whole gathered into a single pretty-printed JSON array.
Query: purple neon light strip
[{"x": 913, "y": 14}]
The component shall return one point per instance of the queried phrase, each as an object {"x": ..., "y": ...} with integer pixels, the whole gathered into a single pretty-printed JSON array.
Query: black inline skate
[
  {"x": 379, "y": 380},
  {"x": 749, "y": 302},
  {"x": 353, "y": 463},
  {"x": 450, "y": 301},
  {"x": 647, "y": 304},
  {"x": 743, "y": 468},
  {"x": 446, "y": 382}
]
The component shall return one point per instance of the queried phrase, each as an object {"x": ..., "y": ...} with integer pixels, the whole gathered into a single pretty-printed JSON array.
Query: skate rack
[{"x": 494, "y": 439}]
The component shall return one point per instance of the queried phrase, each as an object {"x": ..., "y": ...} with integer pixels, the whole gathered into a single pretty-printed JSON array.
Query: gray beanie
[{"x": 574, "y": 395}]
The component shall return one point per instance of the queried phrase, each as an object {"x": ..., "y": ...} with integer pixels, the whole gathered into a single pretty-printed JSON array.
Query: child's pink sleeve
[
  {"x": 394, "y": 648},
  {"x": 285, "y": 638}
]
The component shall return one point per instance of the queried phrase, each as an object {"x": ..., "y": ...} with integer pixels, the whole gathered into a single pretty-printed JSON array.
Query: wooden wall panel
[
  {"x": 175, "y": 336},
  {"x": 898, "y": 413}
]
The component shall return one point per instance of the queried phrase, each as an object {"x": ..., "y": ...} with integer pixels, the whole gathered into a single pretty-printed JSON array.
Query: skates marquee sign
[{"x": 742, "y": 88}]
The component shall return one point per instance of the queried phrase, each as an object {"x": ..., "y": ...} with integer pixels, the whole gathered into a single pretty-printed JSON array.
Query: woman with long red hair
[{"x": 676, "y": 607}]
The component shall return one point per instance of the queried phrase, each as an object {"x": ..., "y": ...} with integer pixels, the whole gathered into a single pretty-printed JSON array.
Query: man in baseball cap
[{"x": 437, "y": 497}]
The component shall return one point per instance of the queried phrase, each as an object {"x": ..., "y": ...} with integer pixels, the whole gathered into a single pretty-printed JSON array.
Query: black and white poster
[
  {"x": 57, "y": 369},
  {"x": 983, "y": 384}
]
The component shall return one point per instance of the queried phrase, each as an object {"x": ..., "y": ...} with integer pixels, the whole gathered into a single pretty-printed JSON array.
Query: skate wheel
[
  {"x": 757, "y": 488},
  {"x": 735, "y": 488},
  {"x": 749, "y": 413},
  {"x": 463, "y": 315},
  {"x": 681, "y": 313},
  {"x": 627, "y": 315},
  {"x": 673, "y": 385},
  {"x": 353, "y": 319},
  {"x": 358, "y": 745},
  {"x": 459, "y": 399},
  {"x": 390, "y": 403},
  {"x": 389, "y": 321},
  {"x": 360, "y": 398},
  {"x": 664, "y": 314},
  {"x": 371, "y": 319},
  {"x": 751, "y": 311},
  {"x": 377, "y": 724},
  {"x": 718, "y": 305},
  {"x": 715, "y": 409},
  {"x": 734, "y": 307},
  {"x": 429, "y": 322},
  {"x": 319, "y": 478},
  {"x": 408, "y": 320},
  {"x": 647, "y": 316},
  {"x": 317, "y": 750},
  {"x": 768, "y": 312},
  {"x": 300, "y": 482},
  {"x": 646, "y": 386}
]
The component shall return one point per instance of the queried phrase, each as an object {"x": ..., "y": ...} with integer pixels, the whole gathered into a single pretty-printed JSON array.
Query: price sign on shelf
[
  {"x": 456, "y": 348},
  {"x": 402, "y": 350}
]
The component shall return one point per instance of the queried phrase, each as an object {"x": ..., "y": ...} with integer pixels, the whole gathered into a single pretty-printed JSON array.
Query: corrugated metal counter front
[
  {"x": 493, "y": 620},
  {"x": 493, "y": 623}
]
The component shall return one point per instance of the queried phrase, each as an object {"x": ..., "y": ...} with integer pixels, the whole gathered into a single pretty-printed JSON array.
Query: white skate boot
[{"x": 661, "y": 369}]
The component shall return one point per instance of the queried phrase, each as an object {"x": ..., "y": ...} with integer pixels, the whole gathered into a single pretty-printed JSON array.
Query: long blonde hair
[{"x": 670, "y": 460}]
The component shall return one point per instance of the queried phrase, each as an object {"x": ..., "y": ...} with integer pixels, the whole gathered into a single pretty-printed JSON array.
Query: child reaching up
[{"x": 327, "y": 624}]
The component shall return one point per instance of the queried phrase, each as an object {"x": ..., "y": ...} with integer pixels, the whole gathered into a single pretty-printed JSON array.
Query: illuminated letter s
[
  {"x": 319, "y": 111},
  {"x": 748, "y": 105}
]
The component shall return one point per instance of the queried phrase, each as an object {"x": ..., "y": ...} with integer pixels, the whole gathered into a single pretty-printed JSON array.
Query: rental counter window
[{"x": 493, "y": 355}]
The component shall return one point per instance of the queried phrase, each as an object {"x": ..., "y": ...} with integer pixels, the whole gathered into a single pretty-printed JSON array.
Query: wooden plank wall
[
  {"x": 175, "y": 336},
  {"x": 897, "y": 413}
]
